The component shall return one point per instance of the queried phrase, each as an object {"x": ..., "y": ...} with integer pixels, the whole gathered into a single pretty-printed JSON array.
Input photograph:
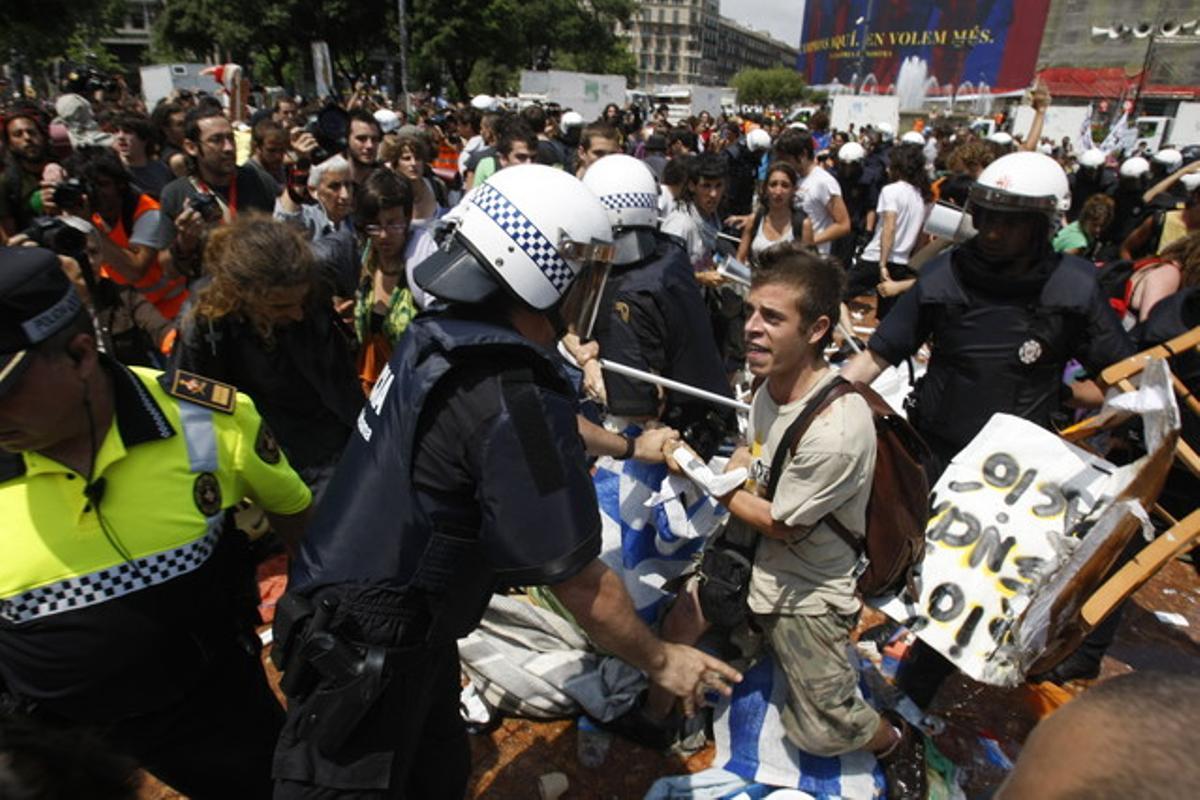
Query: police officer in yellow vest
[{"x": 123, "y": 589}]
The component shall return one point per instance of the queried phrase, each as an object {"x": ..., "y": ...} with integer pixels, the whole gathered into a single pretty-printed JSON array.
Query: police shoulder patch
[
  {"x": 266, "y": 446},
  {"x": 206, "y": 491},
  {"x": 202, "y": 391},
  {"x": 622, "y": 309}
]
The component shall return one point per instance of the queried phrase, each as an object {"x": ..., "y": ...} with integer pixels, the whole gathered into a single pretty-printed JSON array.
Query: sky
[{"x": 781, "y": 18}]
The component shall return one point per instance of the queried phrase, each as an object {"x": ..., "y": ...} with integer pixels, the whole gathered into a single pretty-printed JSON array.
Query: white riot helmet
[
  {"x": 531, "y": 230},
  {"x": 912, "y": 137},
  {"x": 886, "y": 131},
  {"x": 1022, "y": 181},
  {"x": 570, "y": 119},
  {"x": 1134, "y": 167},
  {"x": 629, "y": 192},
  {"x": 484, "y": 102},
  {"x": 1001, "y": 138},
  {"x": 1170, "y": 158},
  {"x": 851, "y": 152},
  {"x": 758, "y": 139},
  {"x": 1093, "y": 158}
]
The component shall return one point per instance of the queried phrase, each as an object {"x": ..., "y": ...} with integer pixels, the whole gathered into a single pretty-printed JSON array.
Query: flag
[
  {"x": 751, "y": 744},
  {"x": 1122, "y": 137},
  {"x": 650, "y": 545}
]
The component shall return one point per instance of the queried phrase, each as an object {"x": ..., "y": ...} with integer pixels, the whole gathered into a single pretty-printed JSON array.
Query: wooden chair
[{"x": 1183, "y": 534}]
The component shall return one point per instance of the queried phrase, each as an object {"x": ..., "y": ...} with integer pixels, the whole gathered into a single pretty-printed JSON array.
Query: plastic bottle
[{"x": 593, "y": 742}]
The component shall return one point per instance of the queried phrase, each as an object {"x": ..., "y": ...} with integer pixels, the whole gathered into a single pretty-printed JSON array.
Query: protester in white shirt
[
  {"x": 818, "y": 193},
  {"x": 883, "y": 265}
]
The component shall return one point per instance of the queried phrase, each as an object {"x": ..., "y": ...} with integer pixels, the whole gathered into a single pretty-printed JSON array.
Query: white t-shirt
[
  {"x": 902, "y": 198},
  {"x": 815, "y": 191}
]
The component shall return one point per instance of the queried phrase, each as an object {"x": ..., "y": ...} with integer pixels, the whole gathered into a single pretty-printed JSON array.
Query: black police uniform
[
  {"x": 653, "y": 317},
  {"x": 466, "y": 475},
  {"x": 1000, "y": 345}
]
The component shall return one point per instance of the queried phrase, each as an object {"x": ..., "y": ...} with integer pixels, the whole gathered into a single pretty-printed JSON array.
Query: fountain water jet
[{"x": 912, "y": 83}]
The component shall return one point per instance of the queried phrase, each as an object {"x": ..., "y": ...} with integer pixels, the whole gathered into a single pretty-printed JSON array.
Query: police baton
[
  {"x": 657, "y": 380},
  {"x": 667, "y": 383}
]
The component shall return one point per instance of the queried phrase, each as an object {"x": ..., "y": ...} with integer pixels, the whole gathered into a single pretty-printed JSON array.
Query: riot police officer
[
  {"x": 466, "y": 475},
  {"x": 652, "y": 315},
  {"x": 1004, "y": 314}
]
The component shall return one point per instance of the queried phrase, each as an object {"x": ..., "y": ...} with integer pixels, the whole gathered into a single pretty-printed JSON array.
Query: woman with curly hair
[{"x": 265, "y": 323}]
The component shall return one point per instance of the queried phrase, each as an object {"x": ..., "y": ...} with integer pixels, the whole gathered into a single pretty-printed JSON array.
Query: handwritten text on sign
[{"x": 1003, "y": 515}]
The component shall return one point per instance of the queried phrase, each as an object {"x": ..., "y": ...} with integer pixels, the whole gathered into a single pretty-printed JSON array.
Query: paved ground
[{"x": 509, "y": 761}]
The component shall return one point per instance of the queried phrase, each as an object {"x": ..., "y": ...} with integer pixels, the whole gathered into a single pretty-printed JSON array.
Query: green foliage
[
  {"x": 278, "y": 33},
  {"x": 447, "y": 38},
  {"x": 459, "y": 34},
  {"x": 38, "y": 31},
  {"x": 778, "y": 86}
]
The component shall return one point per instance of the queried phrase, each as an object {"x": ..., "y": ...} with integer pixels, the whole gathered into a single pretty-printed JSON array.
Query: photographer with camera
[
  {"x": 213, "y": 193},
  {"x": 127, "y": 224}
]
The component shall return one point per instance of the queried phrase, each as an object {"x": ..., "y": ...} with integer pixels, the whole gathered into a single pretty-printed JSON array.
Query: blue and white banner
[
  {"x": 650, "y": 545},
  {"x": 751, "y": 743}
]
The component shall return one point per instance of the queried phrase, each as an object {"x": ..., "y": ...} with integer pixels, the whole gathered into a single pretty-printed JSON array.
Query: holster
[
  {"x": 293, "y": 613},
  {"x": 338, "y": 682},
  {"x": 350, "y": 683}
]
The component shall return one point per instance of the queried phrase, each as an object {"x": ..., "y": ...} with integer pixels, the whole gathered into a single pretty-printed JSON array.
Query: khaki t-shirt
[{"x": 831, "y": 472}]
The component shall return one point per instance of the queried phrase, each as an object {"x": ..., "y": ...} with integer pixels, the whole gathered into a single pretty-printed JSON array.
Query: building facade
[
  {"x": 689, "y": 42},
  {"x": 674, "y": 41},
  {"x": 1101, "y": 49},
  {"x": 739, "y": 47},
  {"x": 131, "y": 40}
]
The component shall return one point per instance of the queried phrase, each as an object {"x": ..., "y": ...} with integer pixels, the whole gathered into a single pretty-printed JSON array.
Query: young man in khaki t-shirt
[{"x": 802, "y": 592}]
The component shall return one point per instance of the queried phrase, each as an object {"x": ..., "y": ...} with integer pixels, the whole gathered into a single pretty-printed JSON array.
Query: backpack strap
[{"x": 791, "y": 437}]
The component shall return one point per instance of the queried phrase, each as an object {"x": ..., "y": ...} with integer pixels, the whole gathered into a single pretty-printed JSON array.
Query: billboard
[{"x": 995, "y": 42}]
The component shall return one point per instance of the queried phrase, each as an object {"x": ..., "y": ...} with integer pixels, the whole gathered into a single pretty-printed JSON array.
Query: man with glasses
[{"x": 214, "y": 191}]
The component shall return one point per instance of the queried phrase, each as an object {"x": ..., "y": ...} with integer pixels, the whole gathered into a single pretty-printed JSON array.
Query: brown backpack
[{"x": 898, "y": 508}]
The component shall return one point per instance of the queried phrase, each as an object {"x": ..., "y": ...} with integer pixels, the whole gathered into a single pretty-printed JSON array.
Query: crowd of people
[{"x": 386, "y": 332}]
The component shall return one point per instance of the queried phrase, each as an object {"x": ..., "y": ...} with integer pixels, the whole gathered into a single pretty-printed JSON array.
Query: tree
[
  {"x": 458, "y": 34},
  {"x": 37, "y": 32},
  {"x": 279, "y": 31},
  {"x": 778, "y": 86}
]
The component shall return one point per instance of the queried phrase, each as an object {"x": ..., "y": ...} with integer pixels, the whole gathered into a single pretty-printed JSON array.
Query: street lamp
[{"x": 865, "y": 21}]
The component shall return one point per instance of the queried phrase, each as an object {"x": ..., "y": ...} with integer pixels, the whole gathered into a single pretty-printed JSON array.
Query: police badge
[{"x": 1030, "y": 351}]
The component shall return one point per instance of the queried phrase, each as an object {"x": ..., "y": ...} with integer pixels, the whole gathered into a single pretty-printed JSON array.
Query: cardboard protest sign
[{"x": 1015, "y": 513}]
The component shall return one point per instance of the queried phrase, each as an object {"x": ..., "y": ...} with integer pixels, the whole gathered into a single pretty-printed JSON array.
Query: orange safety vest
[
  {"x": 167, "y": 294},
  {"x": 445, "y": 163}
]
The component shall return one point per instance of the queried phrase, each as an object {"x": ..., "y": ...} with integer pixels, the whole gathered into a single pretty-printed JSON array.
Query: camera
[
  {"x": 329, "y": 127},
  {"x": 69, "y": 194},
  {"x": 54, "y": 234},
  {"x": 207, "y": 206}
]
